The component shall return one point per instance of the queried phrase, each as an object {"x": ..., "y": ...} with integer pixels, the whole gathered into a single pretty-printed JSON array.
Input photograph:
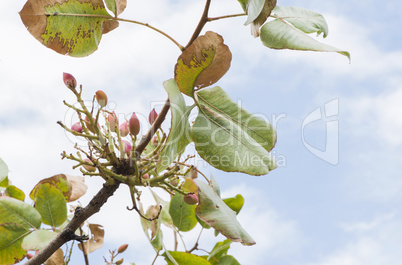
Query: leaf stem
[
  {"x": 227, "y": 16},
  {"x": 124, "y": 20}
]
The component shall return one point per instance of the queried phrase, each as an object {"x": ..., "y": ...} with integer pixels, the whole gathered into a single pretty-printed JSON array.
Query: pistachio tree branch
[
  {"x": 80, "y": 215},
  {"x": 201, "y": 24},
  {"x": 155, "y": 126}
]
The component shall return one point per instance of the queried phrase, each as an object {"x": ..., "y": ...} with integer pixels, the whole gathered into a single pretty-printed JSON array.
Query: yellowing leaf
[
  {"x": 72, "y": 27},
  {"x": 203, "y": 63}
]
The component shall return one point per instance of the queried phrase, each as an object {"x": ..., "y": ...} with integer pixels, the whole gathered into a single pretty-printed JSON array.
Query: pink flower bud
[
  {"x": 122, "y": 248},
  {"x": 101, "y": 98},
  {"x": 123, "y": 129},
  {"x": 190, "y": 198},
  {"x": 69, "y": 81},
  {"x": 77, "y": 127},
  {"x": 155, "y": 141},
  {"x": 113, "y": 121},
  {"x": 134, "y": 124},
  {"x": 127, "y": 147},
  {"x": 89, "y": 168},
  {"x": 89, "y": 126},
  {"x": 30, "y": 255},
  {"x": 152, "y": 116},
  {"x": 145, "y": 176}
]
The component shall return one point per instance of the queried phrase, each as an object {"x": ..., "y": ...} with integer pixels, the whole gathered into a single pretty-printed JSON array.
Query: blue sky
[{"x": 307, "y": 211}]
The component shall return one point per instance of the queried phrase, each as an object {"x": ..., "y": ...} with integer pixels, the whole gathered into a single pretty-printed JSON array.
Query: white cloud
[{"x": 371, "y": 242}]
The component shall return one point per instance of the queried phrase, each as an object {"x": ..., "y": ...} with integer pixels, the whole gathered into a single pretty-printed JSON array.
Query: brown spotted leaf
[
  {"x": 203, "y": 63},
  {"x": 72, "y": 27}
]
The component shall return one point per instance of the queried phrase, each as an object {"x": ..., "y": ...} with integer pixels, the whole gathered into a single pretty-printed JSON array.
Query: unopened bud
[
  {"x": 190, "y": 198},
  {"x": 152, "y": 116},
  {"x": 119, "y": 262},
  {"x": 89, "y": 126},
  {"x": 122, "y": 248},
  {"x": 134, "y": 124},
  {"x": 101, "y": 98},
  {"x": 87, "y": 167},
  {"x": 30, "y": 255},
  {"x": 155, "y": 141},
  {"x": 69, "y": 81},
  {"x": 113, "y": 121},
  {"x": 123, "y": 129},
  {"x": 145, "y": 176},
  {"x": 77, "y": 127},
  {"x": 127, "y": 147}
]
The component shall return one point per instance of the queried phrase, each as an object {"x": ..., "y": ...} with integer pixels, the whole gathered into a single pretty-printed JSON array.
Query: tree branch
[
  {"x": 80, "y": 215},
  {"x": 201, "y": 24},
  {"x": 155, "y": 126}
]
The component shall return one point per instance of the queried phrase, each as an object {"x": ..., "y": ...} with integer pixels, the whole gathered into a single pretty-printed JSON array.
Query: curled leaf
[
  {"x": 213, "y": 211},
  {"x": 203, "y": 63}
]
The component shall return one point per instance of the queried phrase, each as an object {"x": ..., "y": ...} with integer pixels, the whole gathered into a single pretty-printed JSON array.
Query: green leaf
[
  {"x": 279, "y": 34},
  {"x": 178, "y": 137},
  {"x": 228, "y": 260},
  {"x": 3, "y": 170},
  {"x": 189, "y": 186},
  {"x": 38, "y": 239},
  {"x": 212, "y": 210},
  {"x": 230, "y": 138},
  {"x": 215, "y": 184},
  {"x": 203, "y": 63},
  {"x": 220, "y": 249},
  {"x": 183, "y": 258},
  {"x": 254, "y": 9},
  {"x": 13, "y": 191},
  {"x": 72, "y": 27},
  {"x": 16, "y": 220},
  {"x": 5, "y": 183},
  {"x": 116, "y": 6},
  {"x": 183, "y": 214},
  {"x": 243, "y": 4},
  {"x": 306, "y": 20},
  {"x": 235, "y": 203},
  {"x": 50, "y": 203}
]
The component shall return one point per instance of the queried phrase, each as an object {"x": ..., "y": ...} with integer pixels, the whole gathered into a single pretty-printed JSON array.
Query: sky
[{"x": 335, "y": 197}]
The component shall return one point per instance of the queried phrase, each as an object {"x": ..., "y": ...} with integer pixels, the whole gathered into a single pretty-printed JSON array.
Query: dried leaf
[
  {"x": 203, "y": 63},
  {"x": 153, "y": 212},
  {"x": 96, "y": 240},
  {"x": 57, "y": 258},
  {"x": 78, "y": 187}
]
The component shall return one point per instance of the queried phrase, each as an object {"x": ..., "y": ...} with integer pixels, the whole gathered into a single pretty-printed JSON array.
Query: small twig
[
  {"x": 83, "y": 249},
  {"x": 196, "y": 243}
]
